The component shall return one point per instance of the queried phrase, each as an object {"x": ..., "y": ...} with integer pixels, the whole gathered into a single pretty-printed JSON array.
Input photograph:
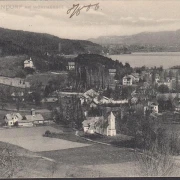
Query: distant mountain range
[
  {"x": 18, "y": 42},
  {"x": 165, "y": 39}
]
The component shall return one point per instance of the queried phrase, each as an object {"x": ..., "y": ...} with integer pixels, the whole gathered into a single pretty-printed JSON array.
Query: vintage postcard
[{"x": 89, "y": 89}]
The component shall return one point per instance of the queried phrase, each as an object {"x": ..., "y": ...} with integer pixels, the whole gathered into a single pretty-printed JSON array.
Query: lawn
[
  {"x": 31, "y": 138},
  {"x": 72, "y": 159},
  {"x": 91, "y": 155}
]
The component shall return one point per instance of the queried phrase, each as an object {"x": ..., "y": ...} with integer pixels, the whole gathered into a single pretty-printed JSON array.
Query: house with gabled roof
[
  {"x": 29, "y": 63},
  {"x": 104, "y": 125},
  {"x": 112, "y": 72},
  {"x": 152, "y": 106},
  {"x": 71, "y": 66},
  {"x": 135, "y": 76},
  {"x": 11, "y": 119},
  {"x": 88, "y": 96},
  {"x": 127, "y": 80},
  {"x": 27, "y": 120}
]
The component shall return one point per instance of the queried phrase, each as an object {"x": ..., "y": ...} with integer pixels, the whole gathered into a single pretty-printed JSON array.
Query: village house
[
  {"x": 152, "y": 106},
  {"x": 27, "y": 120},
  {"x": 112, "y": 72},
  {"x": 49, "y": 100},
  {"x": 29, "y": 63},
  {"x": 134, "y": 100},
  {"x": 104, "y": 125},
  {"x": 168, "y": 82},
  {"x": 157, "y": 78},
  {"x": 131, "y": 79},
  {"x": 71, "y": 66},
  {"x": 176, "y": 103},
  {"x": 34, "y": 117},
  {"x": 16, "y": 95},
  {"x": 127, "y": 80},
  {"x": 177, "y": 107},
  {"x": 88, "y": 96},
  {"x": 11, "y": 119},
  {"x": 136, "y": 77}
]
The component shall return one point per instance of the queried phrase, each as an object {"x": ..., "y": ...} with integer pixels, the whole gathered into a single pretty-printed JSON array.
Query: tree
[
  {"x": 171, "y": 74},
  {"x": 29, "y": 70},
  {"x": 165, "y": 74},
  {"x": 3, "y": 98},
  {"x": 108, "y": 92},
  {"x": 19, "y": 97},
  {"x": 37, "y": 90},
  {"x": 153, "y": 76},
  {"x": 127, "y": 65},
  {"x": 177, "y": 83},
  {"x": 163, "y": 88},
  {"x": 117, "y": 93},
  {"x": 37, "y": 97}
]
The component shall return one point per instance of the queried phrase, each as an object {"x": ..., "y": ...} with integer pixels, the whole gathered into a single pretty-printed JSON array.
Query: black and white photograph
[{"x": 89, "y": 89}]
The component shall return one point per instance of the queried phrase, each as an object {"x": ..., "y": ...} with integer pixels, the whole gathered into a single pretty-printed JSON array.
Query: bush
[{"x": 47, "y": 133}]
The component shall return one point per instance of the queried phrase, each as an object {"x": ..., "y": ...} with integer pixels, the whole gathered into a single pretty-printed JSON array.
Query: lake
[{"x": 165, "y": 59}]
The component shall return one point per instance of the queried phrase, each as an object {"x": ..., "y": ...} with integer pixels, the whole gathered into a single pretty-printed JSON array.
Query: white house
[
  {"x": 177, "y": 107},
  {"x": 157, "y": 78},
  {"x": 49, "y": 100},
  {"x": 71, "y": 66},
  {"x": 168, "y": 83},
  {"x": 38, "y": 118},
  {"x": 88, "y": 124},
  {"x": 16, "y": 95},
  {"x": 29, "y": 63},
  {"x": 88, "y": 96},
  {"x": 127, "y": 80},
  {"x": 28, "y": 120},
  {"x": 10, "y": 119},
  {"x": 135, "y": 77},
  {"x": 101, "y": 125},
  {"x": 152, "y": 106},
  {"x": 112, "y": 72}
]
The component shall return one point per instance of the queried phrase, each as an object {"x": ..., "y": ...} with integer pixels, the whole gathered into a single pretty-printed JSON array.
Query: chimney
[{"x": 33, "y": 112}]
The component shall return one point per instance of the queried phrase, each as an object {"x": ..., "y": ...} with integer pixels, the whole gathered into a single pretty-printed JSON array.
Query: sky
[{"x": 112, "y": 18}]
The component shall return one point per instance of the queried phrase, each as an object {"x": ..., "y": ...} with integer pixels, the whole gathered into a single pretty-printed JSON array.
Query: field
[
  {"x": 72, "y": 158},
  {"x": 67, "y": 156},
  {"x": 44, "y": 77},
  {"x": 94, "y": 161},
  {"x": 31, "y": 139},
  {"x": 59, "y": 158}
]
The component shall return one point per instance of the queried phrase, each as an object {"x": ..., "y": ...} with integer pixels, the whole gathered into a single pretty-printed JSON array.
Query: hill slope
[
  {"x": 18, "y": 42},
  {"x": 166, "y": 39}
]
